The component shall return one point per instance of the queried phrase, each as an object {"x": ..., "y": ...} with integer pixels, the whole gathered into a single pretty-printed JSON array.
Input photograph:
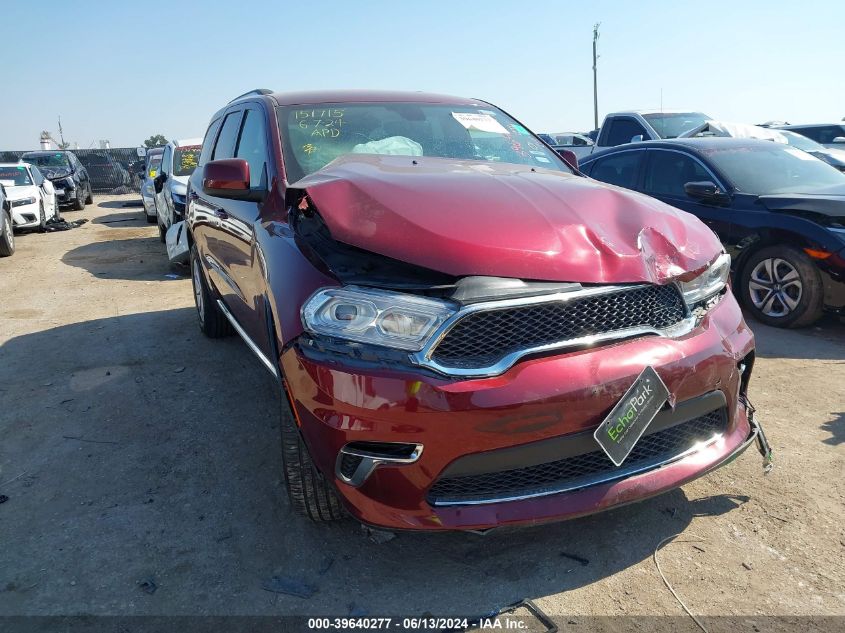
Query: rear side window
[
  {"x": 208, "y": 141},
  {"x": 620, "y": 169},
  {"x": 623, "y": 130},
  {"x": 225, "y": 146},
  {"x": 252, "y": 146},
  {"x": 668, "y": 172}
]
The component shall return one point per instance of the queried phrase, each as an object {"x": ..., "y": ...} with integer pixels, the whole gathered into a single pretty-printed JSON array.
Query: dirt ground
[{"x": 134, "y": 450}]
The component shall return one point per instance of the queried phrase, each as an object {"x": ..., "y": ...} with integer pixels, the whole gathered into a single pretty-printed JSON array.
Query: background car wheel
[
  {"x": 7, "y": 235},
  {"x": 162, "y": 233},
  {"x": 79, "y": 203},
  {"x": 55, "y": 208},
  {"x": 310, "y": 494},
  {"x": 782, "y": 287},
  {"x": 42, "y": 218},
  {"x": 89, "y": 199},
  {"x": 212, "y": 322},
  {"x": 151, "y": 219}
]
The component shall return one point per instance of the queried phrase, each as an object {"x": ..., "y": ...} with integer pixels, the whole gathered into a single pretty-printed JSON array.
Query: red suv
[{"x": 466, "y": 332}]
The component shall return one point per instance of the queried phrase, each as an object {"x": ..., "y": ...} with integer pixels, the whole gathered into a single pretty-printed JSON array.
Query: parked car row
[
  {"x": 165, "y": 186},
  {"x": 466, "y": 331}
]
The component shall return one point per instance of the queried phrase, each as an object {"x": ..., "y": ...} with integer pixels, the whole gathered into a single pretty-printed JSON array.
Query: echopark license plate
[{"x": 626, "y": 423}]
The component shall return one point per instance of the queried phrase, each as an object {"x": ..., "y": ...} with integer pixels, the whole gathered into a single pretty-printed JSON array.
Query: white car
[
  {"x": 171, "y": 183},
  {"x": 31, "y": 195}
]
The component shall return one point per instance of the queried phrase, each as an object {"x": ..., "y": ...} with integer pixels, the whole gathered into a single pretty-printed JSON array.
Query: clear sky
[{"x": 122, "y": 70}]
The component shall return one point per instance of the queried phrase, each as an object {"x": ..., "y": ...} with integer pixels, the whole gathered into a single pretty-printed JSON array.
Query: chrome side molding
[{"x": 249, "y": 342}]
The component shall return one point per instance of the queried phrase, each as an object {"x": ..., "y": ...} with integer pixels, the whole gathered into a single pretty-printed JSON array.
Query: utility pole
[
  {"x": 595, "y": 76},
  {"x": 61, "y": 134}
]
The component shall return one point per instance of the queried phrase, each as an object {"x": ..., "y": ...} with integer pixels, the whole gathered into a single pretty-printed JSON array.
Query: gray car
[
  {"x": 148, "y": 194},
  {"x": 828, "y": 134}
]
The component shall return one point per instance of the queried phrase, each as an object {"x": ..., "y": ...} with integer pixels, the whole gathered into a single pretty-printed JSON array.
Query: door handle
[{"x": 220, "y": 214}]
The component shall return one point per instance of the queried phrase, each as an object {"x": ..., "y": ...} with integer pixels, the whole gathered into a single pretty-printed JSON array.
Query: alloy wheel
[
  {"x": 775, "y": 287},
  {"x": 10, "y": 233}
]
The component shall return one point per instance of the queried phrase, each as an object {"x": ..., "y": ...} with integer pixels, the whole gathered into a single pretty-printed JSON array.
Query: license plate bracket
[{"x": 628, "y": 420}]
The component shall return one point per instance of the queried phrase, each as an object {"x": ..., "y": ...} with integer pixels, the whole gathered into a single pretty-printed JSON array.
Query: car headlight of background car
[
  {"x": 178, "y": 200},
  {"x": 709, "y": 283},
  {"x": 23, "y": 201},
  {"x": 378, "y": 317}
]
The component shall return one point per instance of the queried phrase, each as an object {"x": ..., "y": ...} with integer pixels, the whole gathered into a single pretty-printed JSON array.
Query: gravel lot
[{"x": 140, "y": 451}]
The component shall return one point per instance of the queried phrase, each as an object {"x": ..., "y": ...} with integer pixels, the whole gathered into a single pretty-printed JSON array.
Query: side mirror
[
  {"x": 839, "y": 139},
  {"x": 569, "y": 157},
  {"x": 705, "y": 190},
  {"x": 229, "y": 178},
  {"x": 637, "y": 139}
]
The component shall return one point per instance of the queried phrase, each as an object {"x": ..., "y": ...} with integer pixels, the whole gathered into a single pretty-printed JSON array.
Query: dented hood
[{"x": 505, "y": 220}]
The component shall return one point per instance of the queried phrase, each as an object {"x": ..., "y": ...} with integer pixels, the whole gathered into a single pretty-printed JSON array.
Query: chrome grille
[
  {"x": 483, "y": 338},
  {"x": 579, "y": 471}
]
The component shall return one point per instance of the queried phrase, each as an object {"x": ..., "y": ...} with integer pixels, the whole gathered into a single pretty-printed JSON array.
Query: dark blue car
[{"x": 779, "y": 212}]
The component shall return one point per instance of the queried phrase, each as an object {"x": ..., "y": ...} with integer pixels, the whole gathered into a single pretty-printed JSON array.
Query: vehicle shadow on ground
[
  {"x": 135, "y": 259},
  {"x": 149, "y": 451},
  {"x": 127, "y": 203},
  {"x": 825, "y": 340},
  {"x": 130, "y": 217},
  {"x": 836, "y": 427}
]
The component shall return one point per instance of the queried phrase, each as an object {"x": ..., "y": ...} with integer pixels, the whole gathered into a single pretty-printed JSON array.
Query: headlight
[
  {"x": 379, "y": 317},
  {"x": 22, "y": 202},
  {"x": 177, "y": 198},
  {"x": 708, "y": 283}
]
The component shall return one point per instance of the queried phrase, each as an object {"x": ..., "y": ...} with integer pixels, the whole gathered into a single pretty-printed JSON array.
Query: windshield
[
  {"x": 185, "y": 159},
  {"x": 771, "y": 168},
  {"x": 801, "y": 142},
  {"x": 14, "y": 176},
  {"x": 673, "y": 124},
  {"x": 47, "y": 160},
  {"x": 316, "y": 135},
  {"x": 152, "y": 168}
]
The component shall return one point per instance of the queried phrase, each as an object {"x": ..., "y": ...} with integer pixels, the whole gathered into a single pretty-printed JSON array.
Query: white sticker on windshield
[
  {"x": 479, "y": 122},
  {"x": 542, "y": 159},
  {"x": 798, "y": 153}
]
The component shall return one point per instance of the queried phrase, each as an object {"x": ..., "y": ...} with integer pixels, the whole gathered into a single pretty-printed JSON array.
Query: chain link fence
[{"x": 115, "y": 170}]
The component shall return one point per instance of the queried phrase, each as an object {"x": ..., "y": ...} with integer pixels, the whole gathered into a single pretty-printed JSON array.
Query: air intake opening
[{"x": 357, "y": 460}]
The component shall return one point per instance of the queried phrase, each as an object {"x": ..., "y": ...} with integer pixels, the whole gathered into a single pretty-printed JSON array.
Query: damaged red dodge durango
[{"x": 465, "y": 332}]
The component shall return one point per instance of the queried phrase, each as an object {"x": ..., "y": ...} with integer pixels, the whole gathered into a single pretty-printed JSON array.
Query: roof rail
[{"x": 257, "y": 91}]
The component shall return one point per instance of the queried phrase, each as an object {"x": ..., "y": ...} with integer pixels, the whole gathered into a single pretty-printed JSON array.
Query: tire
[
  {"x": 781, "y": 287},
  {"x": 89, "y": 199},
  {"x": 7, "y": 234},
  {"x": 79, "y": 203},
  {"x": 310, "y": 494},
  {"x": 42, "y": 218},
  {"x": 162, "y": 232},
  {"x": 56, "y": 215},
  {"x": 151, "y": 219},
  {"x": 213, "y": 322}
]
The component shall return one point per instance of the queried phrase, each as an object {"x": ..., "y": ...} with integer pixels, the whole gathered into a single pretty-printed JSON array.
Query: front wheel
[
  {"x": 310, "y": 494},
  {"x": 781, "y": 286},
  {"x": 79, "y": 203},
  {"x": 89, "y": 199},
  {"x": 7, "y": 235},
  {"x": 213, "y": 322},
  {"x": 42, "y": 218}
]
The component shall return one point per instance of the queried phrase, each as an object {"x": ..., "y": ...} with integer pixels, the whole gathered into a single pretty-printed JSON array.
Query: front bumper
[
  {"x": 65, "y": 194},
  {"x": 26, "y": 216},
  {"x": 537, "y": 400}
]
